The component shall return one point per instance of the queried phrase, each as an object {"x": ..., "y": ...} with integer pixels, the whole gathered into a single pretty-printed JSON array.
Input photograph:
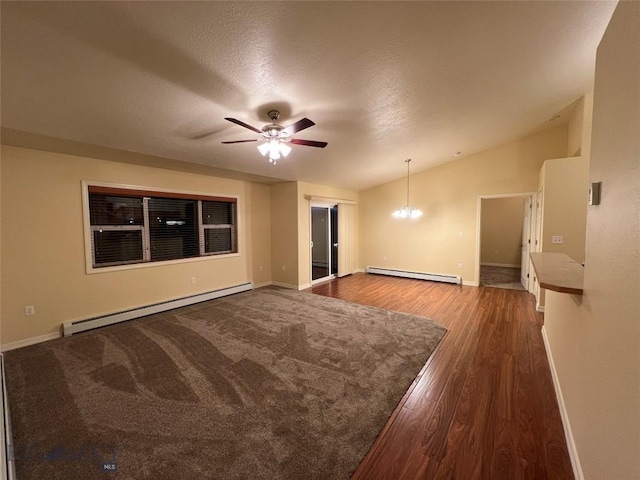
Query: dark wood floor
[{"x": 483, "y": 407}]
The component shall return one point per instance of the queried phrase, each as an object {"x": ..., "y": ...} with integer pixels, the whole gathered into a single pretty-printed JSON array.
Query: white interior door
[
  {"x": 526, "y": 243},
  {"x": 537, "y": 240}
]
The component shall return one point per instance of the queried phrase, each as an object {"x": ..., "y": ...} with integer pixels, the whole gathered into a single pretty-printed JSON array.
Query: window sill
[{"x": 133, "y": 266}]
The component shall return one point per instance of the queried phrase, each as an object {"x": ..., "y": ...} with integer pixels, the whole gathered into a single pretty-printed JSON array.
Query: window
[
  {"x": 136, "y": 226},
  {"x": 218, "y": 226}
]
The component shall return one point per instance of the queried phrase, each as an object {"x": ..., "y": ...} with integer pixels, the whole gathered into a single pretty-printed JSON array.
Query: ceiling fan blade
[
  {"x": 299, "y": 125},
  {"x": 308, "y": 143},
  {"x": 242, "y": 124},
  {"x": 240, "y": 141}
]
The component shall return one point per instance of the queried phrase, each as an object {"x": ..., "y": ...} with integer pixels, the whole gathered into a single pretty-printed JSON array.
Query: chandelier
[{"x": 408, "y": 211}]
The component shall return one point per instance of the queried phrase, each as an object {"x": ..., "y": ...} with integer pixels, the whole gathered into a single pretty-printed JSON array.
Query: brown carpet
[
  {"x": 268, "y": 384},
  {"x": 500, "y": 277}
]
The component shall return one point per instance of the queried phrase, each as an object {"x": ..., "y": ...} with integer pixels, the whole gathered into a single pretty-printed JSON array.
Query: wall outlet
[
  {"x": 461, "y": 234},
  {"x": 261, "y": 268},
  {"x": 384, "y": 258},
  {"x": 557, "y": 239},
  {"x": 29, "y": 310},
  {"x": 460, "y": 265},
  {"x": 193, "y": 280},
  {"x": 284, "y": 267}
]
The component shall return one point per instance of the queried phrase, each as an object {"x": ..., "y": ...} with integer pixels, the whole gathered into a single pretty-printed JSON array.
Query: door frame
[
  {"x": 328, "y": 206},
  {"x": 532, "y": 197}
]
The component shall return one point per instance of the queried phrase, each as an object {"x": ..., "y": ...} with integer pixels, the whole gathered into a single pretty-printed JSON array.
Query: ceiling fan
[{"x": 275, "y": 137}]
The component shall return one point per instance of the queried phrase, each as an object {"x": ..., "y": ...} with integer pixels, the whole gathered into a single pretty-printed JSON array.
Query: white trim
[
  {"x": 479, "y": 222},
  {"x": 505, "y": 265},
  {"x": 263, "y": 284},
  {"x": 359, "y": 270},
  {"x": 571, "y": 445},
  {"x": 318, "y": 281},
  {"x": 469, "y": 283},
  {"x": 326, "y": 206},
  {"x": 29, "y": 341},
  {"x": 329, "y": 200},
  {"x": 285, "y": 285}
]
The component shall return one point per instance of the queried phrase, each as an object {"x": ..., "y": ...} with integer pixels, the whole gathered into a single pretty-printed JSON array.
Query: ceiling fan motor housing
[{"x": 274, "y": 130}]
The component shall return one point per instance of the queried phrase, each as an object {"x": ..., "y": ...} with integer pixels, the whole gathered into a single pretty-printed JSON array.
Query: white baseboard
[
  {"x": 305, "y": 286},
  {"x": 29, "y": 341},
  {"x": 540, "y": 308},
  {"x": 285, "y": 285},
  {"x": 359, "y": 270},
  {"x": 571, "y": 446},
  {"x": 505, "y": 265},
  {"x": 470, "y": 283},
  {"x": 263, "y": 284}
]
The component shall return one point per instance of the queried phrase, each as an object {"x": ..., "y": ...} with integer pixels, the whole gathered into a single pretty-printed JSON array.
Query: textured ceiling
[{"x": 383, "y": 81}]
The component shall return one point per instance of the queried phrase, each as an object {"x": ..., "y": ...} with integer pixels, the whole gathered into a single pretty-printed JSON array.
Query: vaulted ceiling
[{"x": 383, "y": 81}]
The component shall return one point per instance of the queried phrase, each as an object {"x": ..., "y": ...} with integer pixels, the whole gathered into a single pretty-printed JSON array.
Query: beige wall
[
  {"x": 501, "y": 231},
  {"x": 587, "y": 119},
  {"x": 258, "y": 219},
  {"x": 448, "y": 195},
  {"x": 595, "y": 339},
  {"x": 304, "y": 223},
  {"x": 575, "y": 130},
  {"x": 284, "y": 234},
  {"x": 579, "y": 134},
  {"x": 565, "y": 183},
  {"x": 43, "y": 251}
]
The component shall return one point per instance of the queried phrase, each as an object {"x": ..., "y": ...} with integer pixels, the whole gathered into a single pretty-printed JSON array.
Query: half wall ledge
[{"x": 558, "y": 272}]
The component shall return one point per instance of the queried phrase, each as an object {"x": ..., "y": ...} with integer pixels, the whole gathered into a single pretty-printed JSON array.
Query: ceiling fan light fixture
[
  {"x": 275, "y": 138},
  {"x": 284, "y": 149},
  {"x": 274, "y": 149},
  {"x": 263, "y": 148},
  {"x": 408, "y": 211}
]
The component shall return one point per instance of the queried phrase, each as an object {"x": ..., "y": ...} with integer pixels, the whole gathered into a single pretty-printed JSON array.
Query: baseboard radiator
[
  {"x": 69, "y": 328},
  {"x": 434, "y": 277}
]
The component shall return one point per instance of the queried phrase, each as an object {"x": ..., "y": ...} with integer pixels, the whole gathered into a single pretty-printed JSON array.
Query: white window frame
[{"x": 222, "y": 226}]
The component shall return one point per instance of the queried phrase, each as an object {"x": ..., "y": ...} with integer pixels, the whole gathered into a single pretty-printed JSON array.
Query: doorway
[
  {"x": 505, "y": 227},
  {"x": 324, "y": 242}
]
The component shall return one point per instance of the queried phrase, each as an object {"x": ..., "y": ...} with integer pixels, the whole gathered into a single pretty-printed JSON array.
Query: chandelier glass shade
[{"x": 407, "y": 211}]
